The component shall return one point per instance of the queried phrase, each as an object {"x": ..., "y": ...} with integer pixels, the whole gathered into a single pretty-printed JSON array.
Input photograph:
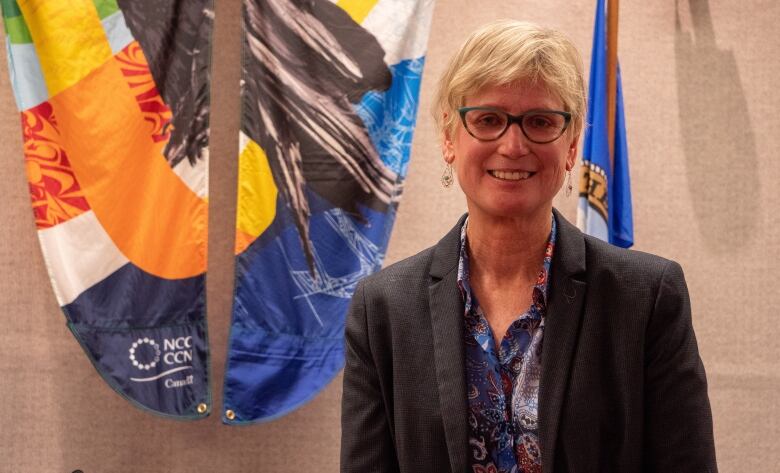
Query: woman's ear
[
  {"x": 447, "y": 145},
  {"x": 448, "y": 149},
  {"x": 571, "y": 154}
]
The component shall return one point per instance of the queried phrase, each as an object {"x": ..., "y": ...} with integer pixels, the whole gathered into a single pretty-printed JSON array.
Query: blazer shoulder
[{"x": 630, "y": 265}]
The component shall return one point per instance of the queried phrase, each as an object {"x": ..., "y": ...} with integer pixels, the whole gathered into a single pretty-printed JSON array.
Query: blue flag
[{"x": 604, "y": 209}]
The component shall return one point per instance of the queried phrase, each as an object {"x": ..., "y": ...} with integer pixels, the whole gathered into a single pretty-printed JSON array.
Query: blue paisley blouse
[{"x": 503, "y": 382}]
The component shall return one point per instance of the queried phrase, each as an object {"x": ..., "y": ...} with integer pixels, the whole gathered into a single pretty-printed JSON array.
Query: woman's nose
[{"x": 513, "y": 143}]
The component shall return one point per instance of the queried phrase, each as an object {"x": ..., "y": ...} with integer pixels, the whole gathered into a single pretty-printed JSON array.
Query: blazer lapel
[
  {"x": 561, "y": 326},
  {"x": 446, "y": 308}
]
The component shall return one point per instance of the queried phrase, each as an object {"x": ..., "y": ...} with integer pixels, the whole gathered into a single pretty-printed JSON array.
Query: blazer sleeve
[
  {"x": 366, "y": 441},
  {"x": 678, "y": 420}
]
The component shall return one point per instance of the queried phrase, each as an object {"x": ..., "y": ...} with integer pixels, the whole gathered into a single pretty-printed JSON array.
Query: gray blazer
[{"x": 622, "y": 390}]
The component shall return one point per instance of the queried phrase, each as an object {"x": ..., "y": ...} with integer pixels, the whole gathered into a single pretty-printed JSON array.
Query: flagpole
[{"x": 612, "y": 40}]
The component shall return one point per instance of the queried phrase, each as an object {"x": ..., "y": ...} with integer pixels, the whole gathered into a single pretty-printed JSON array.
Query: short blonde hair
[{"x": 505, "y": 52}]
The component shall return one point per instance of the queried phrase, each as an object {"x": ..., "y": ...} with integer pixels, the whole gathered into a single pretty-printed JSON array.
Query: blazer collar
[
  {"x": 561, "y": 328},
  {"x": 562, "y": 321},
  {"x": 447, "y": 251},
  {"x": 446, "y": 308}
]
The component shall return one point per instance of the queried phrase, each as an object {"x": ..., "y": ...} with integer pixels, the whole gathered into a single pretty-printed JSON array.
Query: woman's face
[{"x": 511, "y": 176}]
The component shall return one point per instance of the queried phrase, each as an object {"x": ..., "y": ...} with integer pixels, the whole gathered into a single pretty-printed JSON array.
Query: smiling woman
[{"x": 550, "y": 348}]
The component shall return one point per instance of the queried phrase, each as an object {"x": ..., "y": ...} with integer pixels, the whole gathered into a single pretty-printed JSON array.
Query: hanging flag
[
  {"x": 604, "y": 207},
  {"x": 329, "y": 102},
  {"x": 114, "y": 105}
]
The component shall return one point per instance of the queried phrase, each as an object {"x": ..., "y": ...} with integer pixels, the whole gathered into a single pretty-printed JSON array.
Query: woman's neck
[{"x": 507, "y": 250}]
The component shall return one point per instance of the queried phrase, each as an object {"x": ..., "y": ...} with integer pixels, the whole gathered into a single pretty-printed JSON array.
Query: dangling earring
[
  {"x": 569, "y": 187},
  {"x": 446, "y": 177}
]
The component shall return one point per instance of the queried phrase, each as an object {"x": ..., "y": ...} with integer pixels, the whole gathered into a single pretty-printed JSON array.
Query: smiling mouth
[{"x": 511, "y": 175}]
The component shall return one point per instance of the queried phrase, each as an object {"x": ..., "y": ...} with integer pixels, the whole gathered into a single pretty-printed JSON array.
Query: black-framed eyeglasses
[{"x": 539, "y": 126}]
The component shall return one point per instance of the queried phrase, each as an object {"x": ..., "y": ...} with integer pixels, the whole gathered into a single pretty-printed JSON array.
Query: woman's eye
[
  {"x": 489, "y": 119},
  {"x": 538, "y": 121}
]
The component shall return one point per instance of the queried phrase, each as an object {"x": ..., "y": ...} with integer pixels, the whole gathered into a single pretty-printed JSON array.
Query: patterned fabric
[
  {"x": 55, "y": 193},
  {"x": 503, "y": 383},
  {"x": 329, "y": 102},
  {"x": 114, "y": 102}
]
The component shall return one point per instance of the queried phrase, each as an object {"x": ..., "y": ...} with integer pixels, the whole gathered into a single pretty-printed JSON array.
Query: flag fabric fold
[
  {"x": 113, "y": 98},
  {"x": 604, "y": 208},
  {"x": 329, "y": 103}
]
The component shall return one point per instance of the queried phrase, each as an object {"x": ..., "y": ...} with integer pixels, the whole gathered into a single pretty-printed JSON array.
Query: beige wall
[{"x": 703, "y": 126}]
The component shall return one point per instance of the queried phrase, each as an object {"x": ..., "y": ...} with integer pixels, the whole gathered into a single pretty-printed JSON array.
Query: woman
[{"x": 518, "y": 344}]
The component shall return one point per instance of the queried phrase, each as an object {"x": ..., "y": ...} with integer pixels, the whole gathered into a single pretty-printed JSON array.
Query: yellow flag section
[
  {"x": 152, "y": 217},
  {"x": 256, "y": 194},
  {"x": 69, "y": 39},
  {"x": 357, "y": 9}
]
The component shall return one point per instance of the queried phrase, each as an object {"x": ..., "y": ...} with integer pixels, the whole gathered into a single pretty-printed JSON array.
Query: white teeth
[{"x": 510, "y": 175}]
